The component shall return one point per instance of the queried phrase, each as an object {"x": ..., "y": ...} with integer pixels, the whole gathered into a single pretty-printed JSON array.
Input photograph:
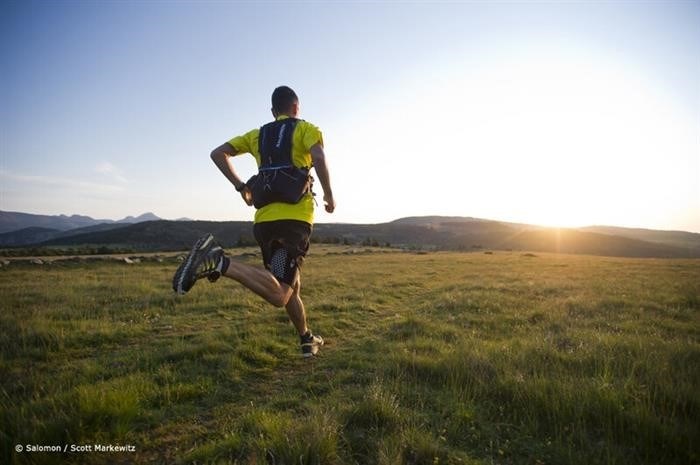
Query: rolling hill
[
  {"x": 35, "y": 235},
  {"x": 27, "y": 236},
  {"x": 676, "y": 238}
]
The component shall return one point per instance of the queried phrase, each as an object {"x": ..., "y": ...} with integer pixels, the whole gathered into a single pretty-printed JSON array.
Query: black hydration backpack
[{"x": 278, "y": 180}]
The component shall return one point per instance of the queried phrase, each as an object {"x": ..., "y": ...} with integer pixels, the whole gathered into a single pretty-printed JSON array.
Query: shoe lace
[{"x": 211, "y": 260}]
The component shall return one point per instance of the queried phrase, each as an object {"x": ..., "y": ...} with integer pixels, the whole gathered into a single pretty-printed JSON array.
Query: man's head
[{"x": 285, "y": 102}]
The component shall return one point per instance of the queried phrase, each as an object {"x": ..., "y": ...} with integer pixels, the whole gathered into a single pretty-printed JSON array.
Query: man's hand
[
  {"x": 221, "y": 158},
  {"x": 329, "y": 202},
  {"x": 247, "y": 196}
]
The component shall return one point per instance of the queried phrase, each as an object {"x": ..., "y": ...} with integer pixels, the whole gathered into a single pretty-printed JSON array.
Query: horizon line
[{"x": 184, "y": 218}]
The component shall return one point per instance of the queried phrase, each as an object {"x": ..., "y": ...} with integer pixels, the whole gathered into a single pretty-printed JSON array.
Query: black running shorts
[{"x": 284, "y": 244}]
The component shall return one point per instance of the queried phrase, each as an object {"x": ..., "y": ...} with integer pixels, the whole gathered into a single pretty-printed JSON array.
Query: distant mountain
[
  {"x": 139, "y": 219},
  {"x": 439, "y": 233},
  {"x": 15, "y": 221}
]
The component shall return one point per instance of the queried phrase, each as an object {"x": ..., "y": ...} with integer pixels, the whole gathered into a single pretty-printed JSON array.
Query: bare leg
[
  {"x": 295, "y": 309},
  {"x": 262, "y": 282}
]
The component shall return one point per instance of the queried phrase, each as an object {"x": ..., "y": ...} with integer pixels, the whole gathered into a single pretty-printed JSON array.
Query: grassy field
[{"x": 440, "y": 358}]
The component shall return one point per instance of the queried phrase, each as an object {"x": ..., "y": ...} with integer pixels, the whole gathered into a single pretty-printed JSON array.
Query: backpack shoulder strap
[{"x": 275, "y": 143}]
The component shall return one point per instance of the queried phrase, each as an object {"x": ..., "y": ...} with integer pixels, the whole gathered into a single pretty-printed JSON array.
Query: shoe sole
[{"x": 201, "y": 245}]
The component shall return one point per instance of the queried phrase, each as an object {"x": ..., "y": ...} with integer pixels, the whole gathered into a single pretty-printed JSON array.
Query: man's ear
[
  {"x": 295, "y": 108},
  {"x": 274, "y": 113}
]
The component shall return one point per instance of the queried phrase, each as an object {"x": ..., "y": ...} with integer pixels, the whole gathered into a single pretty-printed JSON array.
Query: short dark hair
[{"x": 283, "y": 98}]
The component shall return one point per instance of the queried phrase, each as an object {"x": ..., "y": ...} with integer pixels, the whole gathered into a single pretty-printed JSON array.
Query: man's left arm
[{"x": 319, "y": 159}]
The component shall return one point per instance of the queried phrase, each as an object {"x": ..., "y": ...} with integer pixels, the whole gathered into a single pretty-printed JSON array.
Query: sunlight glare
[{"x": 565, "y": 142}]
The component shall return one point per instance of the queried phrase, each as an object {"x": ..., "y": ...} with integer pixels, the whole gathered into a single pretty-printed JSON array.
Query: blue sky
[{"x": 552, "y": 113}]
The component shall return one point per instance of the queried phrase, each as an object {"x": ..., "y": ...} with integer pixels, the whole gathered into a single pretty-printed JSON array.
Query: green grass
[{"x": 440, "y": 358}]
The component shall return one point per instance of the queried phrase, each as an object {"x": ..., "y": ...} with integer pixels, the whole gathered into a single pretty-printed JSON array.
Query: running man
[{"x": 284, "y": 149}]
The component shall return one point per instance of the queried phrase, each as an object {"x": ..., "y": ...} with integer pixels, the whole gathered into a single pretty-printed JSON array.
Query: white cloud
[
  {"x": 108, "y": 169},
  {"x": 60, "y": 182}
]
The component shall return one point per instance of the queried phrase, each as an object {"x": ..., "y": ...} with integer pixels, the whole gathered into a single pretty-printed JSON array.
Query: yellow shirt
[{"x": 305, "y": 136}]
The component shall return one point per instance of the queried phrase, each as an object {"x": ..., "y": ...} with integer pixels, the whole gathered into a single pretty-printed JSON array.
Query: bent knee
[
  {"x": 281, "y": 298},
  {"x": 278, "y": 301}
]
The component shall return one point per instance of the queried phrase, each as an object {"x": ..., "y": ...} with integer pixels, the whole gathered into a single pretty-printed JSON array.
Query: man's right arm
[
  {"x": 318, "y": 157},
  {"x": 221, "y": 156}
]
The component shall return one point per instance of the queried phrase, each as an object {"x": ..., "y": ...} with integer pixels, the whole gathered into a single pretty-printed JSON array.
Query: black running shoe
[
  {"x": 200, "y": 263},
  {"x": 310, "y": 345}
]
